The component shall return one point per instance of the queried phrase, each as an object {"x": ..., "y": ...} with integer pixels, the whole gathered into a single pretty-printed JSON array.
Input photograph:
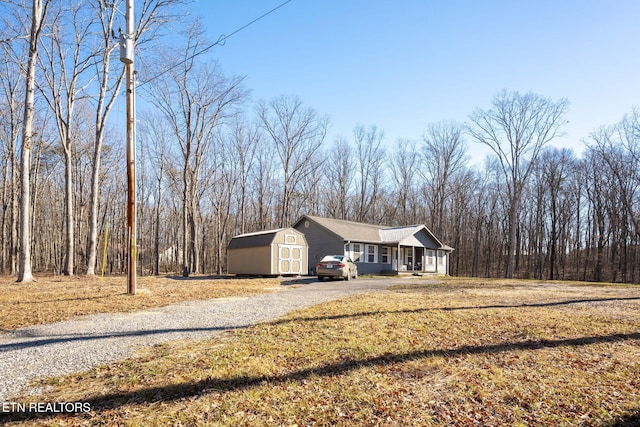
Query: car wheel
[
  {"x": 355, "y": 275},
  {"x": 347, "y": 277},
  {"x": 320, "y": 278}
]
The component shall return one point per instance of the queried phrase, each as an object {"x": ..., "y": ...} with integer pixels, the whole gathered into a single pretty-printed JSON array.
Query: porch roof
[{"x": 398, "y": 234}]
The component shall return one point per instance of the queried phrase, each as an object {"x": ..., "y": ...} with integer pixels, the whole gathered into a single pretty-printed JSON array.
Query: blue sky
[{"x": 406, "y": 63}]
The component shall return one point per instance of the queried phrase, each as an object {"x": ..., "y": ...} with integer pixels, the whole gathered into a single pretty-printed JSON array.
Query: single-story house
[
  {"x": 374, "y": 248},
  {"x": 270, "y": 253}
]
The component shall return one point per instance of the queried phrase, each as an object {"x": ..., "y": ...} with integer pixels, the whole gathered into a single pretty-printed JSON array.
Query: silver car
[{"x": 336, "y": 266}]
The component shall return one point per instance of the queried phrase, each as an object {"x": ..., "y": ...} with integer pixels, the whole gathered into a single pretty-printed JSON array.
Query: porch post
[{"x": 413, "y": 258}]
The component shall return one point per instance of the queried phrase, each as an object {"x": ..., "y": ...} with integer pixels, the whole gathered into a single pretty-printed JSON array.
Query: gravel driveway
[{"x": 76, "y": 345}]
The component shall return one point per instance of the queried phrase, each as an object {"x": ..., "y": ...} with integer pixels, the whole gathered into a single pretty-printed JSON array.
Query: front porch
[{"x": 417, "y": 260}]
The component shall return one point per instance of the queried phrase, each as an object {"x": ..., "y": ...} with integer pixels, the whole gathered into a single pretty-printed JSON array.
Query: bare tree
[
  {"x": 297, "y": 133},
  {"x": 194, "y": 98},
  {"x": 617, "y": 193},
  {"x": 38, "y": 13},
  {"x": 11, "y": 89},
  {"x": 156, "y": 136},
  {"x": 339, "y": 178},
  {"x": 244, "y": 138},
  {"x": 264, "y": 184},
  {"x": 152, "y": 16},
  {"x": 557, "y": 167},
  {"x": 404, "y": 168},
  {"x": 516, "y": 128},
  {"x": 369, "y": 165},
  {"x": 65, "y": 60},
  {"x": 445, "y": 154},
  {"x": 618, "y": 147},
  {"x": 108, "y": 87}
]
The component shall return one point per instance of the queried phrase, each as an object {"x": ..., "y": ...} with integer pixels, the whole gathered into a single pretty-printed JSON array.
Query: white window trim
[
  {"x": 367, "y": 253},
  {"x": 356, "y": 256},
  {"x": 388, "y": 255},
  {"x": 430, "y": 257}
]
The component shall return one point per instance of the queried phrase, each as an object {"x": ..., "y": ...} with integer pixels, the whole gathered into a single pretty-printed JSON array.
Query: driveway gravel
[{"x": 77, "y": 345}]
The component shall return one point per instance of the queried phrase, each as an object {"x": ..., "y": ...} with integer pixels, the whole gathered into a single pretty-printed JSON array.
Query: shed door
[{"x": 290, "y": 259}]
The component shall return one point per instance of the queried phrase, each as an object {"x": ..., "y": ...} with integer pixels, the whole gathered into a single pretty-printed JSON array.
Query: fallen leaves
[{"x": 504, "y": 355}]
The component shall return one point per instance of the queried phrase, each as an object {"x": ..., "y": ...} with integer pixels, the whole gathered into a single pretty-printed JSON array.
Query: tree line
[{"x": 213, "y": 163}]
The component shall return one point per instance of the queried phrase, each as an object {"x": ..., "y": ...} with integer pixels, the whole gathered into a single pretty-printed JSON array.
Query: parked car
[{"x": 336, "y": 266}]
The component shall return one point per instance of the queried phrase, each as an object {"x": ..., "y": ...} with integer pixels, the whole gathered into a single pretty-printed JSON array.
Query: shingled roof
[
  {"x": 250, "y": 240},
  {"x": 350, "y": 230},
  {"x": 369, "y": 233}
]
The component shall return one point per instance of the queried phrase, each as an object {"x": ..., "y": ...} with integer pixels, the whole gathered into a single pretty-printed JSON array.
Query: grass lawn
[
  {"x": 55, "y": 298},
  {"x": 463, "y": 353}
]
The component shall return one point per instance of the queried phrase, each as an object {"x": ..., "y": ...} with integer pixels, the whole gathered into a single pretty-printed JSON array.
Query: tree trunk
[
  {"x": 92, "y": 246},
  {"x": 13, "y": 245},
  {"x": 69, "y": 214},
  {"x": 512, "y": 242},
  {"x": 24, "y": 268},
  {"x": 185, "y": 242}
]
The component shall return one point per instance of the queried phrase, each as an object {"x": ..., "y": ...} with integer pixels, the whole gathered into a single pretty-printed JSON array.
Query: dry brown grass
[
  {"x": 55, "y": 298},
  {"x": 514, "y": 354}
]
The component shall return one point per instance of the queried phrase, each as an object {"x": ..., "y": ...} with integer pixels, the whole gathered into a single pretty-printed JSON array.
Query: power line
[{"x": 220, "y": 42}]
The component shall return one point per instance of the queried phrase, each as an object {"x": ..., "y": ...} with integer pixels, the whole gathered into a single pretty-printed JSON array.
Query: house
[
  {"x": 270, "y": 253},
  {"x": 376, "y": 249}
]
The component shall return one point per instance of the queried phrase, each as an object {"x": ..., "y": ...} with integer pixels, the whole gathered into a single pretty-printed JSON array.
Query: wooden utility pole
[{"x": 127, "y": 43}]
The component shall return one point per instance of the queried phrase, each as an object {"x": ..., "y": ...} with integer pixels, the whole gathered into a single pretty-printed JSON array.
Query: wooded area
[{"x": 213, "y": 163}]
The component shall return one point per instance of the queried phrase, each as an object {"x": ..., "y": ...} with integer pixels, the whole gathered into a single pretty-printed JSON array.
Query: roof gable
[{"x": 410, "y": 235}]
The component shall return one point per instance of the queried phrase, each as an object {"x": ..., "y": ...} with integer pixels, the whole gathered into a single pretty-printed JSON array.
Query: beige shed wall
[
  {"x": 266, "y": 259},
  {"x": 250, "y": 261}
]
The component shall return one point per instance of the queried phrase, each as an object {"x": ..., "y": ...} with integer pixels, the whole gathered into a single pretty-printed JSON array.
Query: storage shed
[{"x": 283, "y": 251}]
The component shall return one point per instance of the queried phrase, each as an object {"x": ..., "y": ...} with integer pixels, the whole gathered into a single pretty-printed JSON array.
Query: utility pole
[{"x": 127, "y": 44}]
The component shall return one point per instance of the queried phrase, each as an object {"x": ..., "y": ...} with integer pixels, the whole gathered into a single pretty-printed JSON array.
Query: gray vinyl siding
[
  {"x": 321, "y": 242},
  {"x": 371, "y": 267}
]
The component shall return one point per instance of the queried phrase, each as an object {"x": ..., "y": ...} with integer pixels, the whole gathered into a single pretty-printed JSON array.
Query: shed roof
[{"x": 251, "y": 240}]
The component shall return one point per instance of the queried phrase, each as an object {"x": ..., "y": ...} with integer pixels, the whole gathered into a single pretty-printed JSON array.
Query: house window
[
  {"x": 429, "y": 257},
  {"x": 357, "y": 252},
  {"x": 441, "y": 258},
  {"x": 372, "y": 253},
  {"x": 384, "y": 254}
]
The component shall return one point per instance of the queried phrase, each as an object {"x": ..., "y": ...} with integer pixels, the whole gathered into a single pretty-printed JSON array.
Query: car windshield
[{"x": 332, "y": 258}]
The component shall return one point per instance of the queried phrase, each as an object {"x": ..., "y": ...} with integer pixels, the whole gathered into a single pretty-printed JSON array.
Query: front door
[{"x": 419, "y": 260}]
